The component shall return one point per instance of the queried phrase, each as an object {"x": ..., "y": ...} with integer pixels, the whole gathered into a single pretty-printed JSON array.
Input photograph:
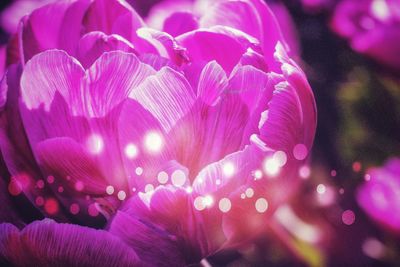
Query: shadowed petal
[
  {"x": 112, "y": 17},
  {"x": 92, "y": 45},
  {"x": 179, "y": 23},
  {"x": 152, "y": 243},
  {"x": 57, "y": 25},
  {"x": 46, "y": 243}
]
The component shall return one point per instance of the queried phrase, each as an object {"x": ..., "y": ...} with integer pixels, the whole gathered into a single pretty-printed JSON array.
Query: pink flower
[
  {"x": 379, "y": 196},
  {"x": 372, "y": 28},
  {"x": 317, "y": 5},
  {"x": 176, "y": 144},
  {"x": 12, "y": 14}
]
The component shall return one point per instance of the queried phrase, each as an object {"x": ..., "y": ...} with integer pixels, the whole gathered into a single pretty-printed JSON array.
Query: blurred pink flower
[
  {"x": 372, "y": 28},
  {"x": 317, "y": 5},
  {"x": 12, "y": 14},
  {"x": 379, "y": 196},
  {"x": 178, "y": 143}
]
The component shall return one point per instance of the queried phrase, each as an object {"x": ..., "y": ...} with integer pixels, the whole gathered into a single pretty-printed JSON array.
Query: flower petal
[
  {"x": 179, "y": 23},
  {"x": 46, "y": 243},
  {"x": 136, "y": 129},
  {"x": 240, "y": 15},
  {"x": 167, "y": 95},
  {"x": 70, "y": 103},
  {"x": 92, "y": 45},
  {"x": 112, "y": 17},
  {"x": 212, "y": 83},
  {"x": 75, "y": 163},
  {"x": 56, "y": 25},
  {"x": 14, "y": 144},
  {"x": 211, "y": 132},
  {"x": 204, "y": 45},
  {"x": 143, "y": 235}
]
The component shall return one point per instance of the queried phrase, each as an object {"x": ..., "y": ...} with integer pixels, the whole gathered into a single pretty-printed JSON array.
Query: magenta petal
[
  {"x": 112, "y": 17},
  {"x": 212, "y": 83},
  {"x": 164, "y": 43},
  {"x": 75, "y": 164},
  {"x": 298, "y": 80},
  {"x": 240, "y": 15},
  {"x": 249, "y": 83},
  {"x": 167, "y": 95},
  {"x": 207, "y": 46},
  {"x": 70, "y": 103},
  {"x": 290, "y": 117},
  {"x": 271, "y": 33},
  {"x": 211, "y": 131},
  {"x": 229, "y": 173},
  {"x": 179, "y": 23},
  {"x": 94, "y": 44},
  {"x": 14, "y": 144},
  {"x": 3, "y": 50},
  {"x": 56, "y": 25},
  {"x": 46, "y": 243},
  {"x": 135, "y": 126},
  {"x": 143, "y": 235},
  {"x": 156, "y": 61},
  {"x": 254, "y": 59}
]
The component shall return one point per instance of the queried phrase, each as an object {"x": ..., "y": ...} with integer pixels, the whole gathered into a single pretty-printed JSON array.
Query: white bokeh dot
[
  {"x": 249, "y": 192},
  {"x": 153, "y": 142},
  {"x": 178, "y": 178},
  {"x": 224, "y": 205},
  {"x": 139, "y": 170},
  {"x": 110, "y": 190},
  {"x": 228, "y": 169},
  {"x": 95, "y": 144},
  {"x": 162, "y": 177},
  {"x": 131, "y": 151},
  {"x": 261, "y": 205},
  {"x": 121, "y": 195}
]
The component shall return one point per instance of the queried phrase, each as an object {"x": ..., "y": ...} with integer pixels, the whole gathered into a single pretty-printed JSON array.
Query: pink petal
[
  {"x": 2, "y": 61},
  {"x": 56, "y": 25},
  {"x": 167, "y": 95},
  {"x": 239, "y": 15},
  {"x": 94, "y": 44},
  {"x": 143, "y": 235},
  {"x": 207, "y": 46},
  {"x": 210, "y": 131},
  {"x": 14, "y": 144},
  {"x": 271, "y": 33},
  {"x": 165, "y": 45},
  {"x": 254, "y": 59},
  {"x": 249, "y": 83},
  {"x": 70, "y": 103},
  {"x": 179, "y": 23},
  {"x": 75, "y": 163},
  {"x": 229, "y": 173},
  {"x": 112, "y": 17},
  {"x": 162, "y": 10},
  {"x": 46, "y": 243},
  {"x": 156, "y": 61},
  {"x": 135, "y": 126},
  {"x": 212, "y": 83}
]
